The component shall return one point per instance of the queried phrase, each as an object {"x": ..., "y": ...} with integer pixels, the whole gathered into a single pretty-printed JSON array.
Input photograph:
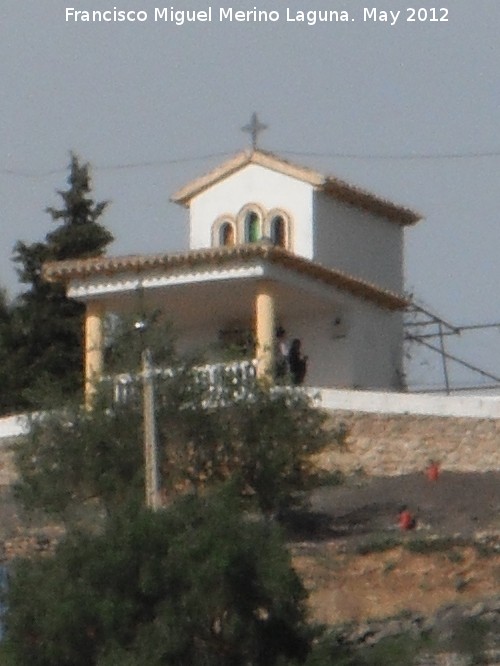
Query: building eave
[
  {"x": 334, "y": 187},
  {"x": 66, "y": 271}
]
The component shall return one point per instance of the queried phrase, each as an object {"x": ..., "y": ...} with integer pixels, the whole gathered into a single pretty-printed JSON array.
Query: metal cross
[{"x": 254, "y": 128}]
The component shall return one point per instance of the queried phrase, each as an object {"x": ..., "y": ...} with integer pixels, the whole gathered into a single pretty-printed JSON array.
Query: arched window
[
  {"x": 226, "y": 234},
  {"x": 278, "y": 231},
  {"x": 252, "y": 227},
  {"x": 224, "y": 231}
]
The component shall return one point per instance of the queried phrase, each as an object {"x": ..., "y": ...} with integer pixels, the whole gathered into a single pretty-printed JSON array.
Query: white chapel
[{"x": 271, "y": 244}]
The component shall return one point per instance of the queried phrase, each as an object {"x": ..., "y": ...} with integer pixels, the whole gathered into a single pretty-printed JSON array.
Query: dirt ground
[
  {"x": 345, "y": 520},
  {"x": 464, "y": 504},
  {"x": 342, "y": 521},
  {"x": 345, "y": 587}
]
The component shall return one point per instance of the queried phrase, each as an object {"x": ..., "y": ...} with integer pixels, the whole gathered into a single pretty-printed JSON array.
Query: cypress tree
[{"x": 46, "y": 326}]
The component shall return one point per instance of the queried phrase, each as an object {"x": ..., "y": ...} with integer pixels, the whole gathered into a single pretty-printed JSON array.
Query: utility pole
[{"x": 151, "y": 472}]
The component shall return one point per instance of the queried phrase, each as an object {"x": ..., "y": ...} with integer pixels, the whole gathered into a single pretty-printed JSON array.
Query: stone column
[
  {"x": 94, "y": 348},
  {"x": 265, "y": 326}
]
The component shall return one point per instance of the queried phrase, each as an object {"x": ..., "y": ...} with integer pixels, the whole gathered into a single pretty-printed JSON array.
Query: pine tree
[{"x": 46, "y": 326}]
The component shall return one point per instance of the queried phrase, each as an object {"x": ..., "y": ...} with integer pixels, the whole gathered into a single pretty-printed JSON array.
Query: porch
[{"x": 350, "y": 330}]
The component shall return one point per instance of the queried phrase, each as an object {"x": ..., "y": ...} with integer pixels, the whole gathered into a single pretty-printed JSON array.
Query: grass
[
  {"x": 460, "y": 583},
  {"x": 389, "y": 566},
  {"x": 377, "y": 544},
  {"x": 468, "y": 638},
  {"x": 425, "y": 545},
  {"x": 398, "y": 651},
  {"x": 455, "y": 557},
  {"x": 394, "y": 651},
  {"x": 429, "y": 546}
]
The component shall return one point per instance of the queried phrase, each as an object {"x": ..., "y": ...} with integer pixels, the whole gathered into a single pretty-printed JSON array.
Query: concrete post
[
  {"x": 265, "y": 325},
  {"x": 151, "y": 471},
  {"x": 94, "y": 348}
]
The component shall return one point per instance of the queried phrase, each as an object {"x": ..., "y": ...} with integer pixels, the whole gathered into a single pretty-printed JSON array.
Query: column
[
  {"x": 265, "y": 327},
  {"x": 94, "y": 344}
]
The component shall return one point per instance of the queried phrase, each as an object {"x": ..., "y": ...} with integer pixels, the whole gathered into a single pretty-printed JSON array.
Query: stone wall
[
  {"x": 393, "y": 444},
  {"x": 383, "y": 444},
  {"x": 7, "y": 468}
]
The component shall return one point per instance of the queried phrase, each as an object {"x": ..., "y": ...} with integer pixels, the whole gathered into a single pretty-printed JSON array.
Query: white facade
[
  {"x": 271, "y": 244},
  {"x": 350, "y": 343},
  {"x": 356, "y": 237},
  {"x": 266, "y": 190},
  {"x": 367, "y": 244},
  {"x": 360, "y": 243}
]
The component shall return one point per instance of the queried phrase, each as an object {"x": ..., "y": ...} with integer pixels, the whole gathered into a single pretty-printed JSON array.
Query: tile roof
[
  {"x": 64, "y": 271},
  {"x": 339, "y": 189}
]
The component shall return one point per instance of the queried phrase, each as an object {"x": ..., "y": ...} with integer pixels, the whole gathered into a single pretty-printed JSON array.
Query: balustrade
[{"x": 218, "y": 382}]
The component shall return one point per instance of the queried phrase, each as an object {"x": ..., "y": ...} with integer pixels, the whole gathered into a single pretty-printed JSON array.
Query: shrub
[
  {"x": 74, "y": 457},
  {"x": 198, "y": 584}
]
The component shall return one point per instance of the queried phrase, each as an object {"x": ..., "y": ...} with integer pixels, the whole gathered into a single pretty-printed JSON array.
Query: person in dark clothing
[{"x": 297, "y": 363}]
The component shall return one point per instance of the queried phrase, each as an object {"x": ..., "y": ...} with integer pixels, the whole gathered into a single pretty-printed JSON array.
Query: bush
[
  {"x": 74, "y": 458},
  {"x": 199, "y": 584}
]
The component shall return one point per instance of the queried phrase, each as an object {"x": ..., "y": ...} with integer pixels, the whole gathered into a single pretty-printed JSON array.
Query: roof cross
[{"x": 254, "y": 128}]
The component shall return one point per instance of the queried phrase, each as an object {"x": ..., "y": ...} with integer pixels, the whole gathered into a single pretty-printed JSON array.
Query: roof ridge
[{"x": 336, "y": 187}]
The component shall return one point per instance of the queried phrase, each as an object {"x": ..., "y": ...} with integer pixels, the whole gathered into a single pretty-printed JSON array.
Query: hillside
[{"x": 357, "y": 564}]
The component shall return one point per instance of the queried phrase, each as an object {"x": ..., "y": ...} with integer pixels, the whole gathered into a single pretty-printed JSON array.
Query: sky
[{"x": 409, "y": 111}]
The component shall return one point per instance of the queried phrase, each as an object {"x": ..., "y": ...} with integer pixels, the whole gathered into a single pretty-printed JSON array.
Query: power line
[
  {"x": 35, "y": 175},
  {"x": 399, "y": 156},
  {"x": 177, "y": 160}
]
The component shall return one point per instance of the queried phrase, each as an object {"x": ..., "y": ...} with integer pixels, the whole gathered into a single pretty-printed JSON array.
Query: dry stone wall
[
  {"x": 8, "y": 473},
  {"x": 383, "y": 445},
  {"x": 389, "y": 445}
]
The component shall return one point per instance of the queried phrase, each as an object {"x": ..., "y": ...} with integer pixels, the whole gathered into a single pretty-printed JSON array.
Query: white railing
[{"x": 219, "y": 380}]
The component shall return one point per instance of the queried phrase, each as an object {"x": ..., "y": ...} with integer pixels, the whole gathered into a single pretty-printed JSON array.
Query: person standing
[
  {"x": 433, "y": 471},
  {"x": 406, "y": 520},
  {"x": 297, "y": 363}
]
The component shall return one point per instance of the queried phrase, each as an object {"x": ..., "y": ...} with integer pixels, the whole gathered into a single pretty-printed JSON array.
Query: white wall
[
  {"x": 329, "y": 360},
  {"x": 254, "y": 184},
  {"x": 378, "y": 402},
  {"x": 358, "y": 242},
  {"x": 13, "y": 426},
  {"x": 368, "y": 355},
  {"x": 376, "y": 339},
  {"x": 342, "y": 237},
  {"x": 373, "y": 402}
]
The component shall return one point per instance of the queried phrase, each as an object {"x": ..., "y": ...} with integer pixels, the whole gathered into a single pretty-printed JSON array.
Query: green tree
[
  {"x": 262, "y": 440},
  {"x": 206, "y": 581},
  {"x": 7, "y": 376},
  {"x": 45, "y": 327},
  {"x": 199, "y": 584}
]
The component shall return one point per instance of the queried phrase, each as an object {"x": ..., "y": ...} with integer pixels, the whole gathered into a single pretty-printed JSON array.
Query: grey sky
[{"x": 138, "y": 93}]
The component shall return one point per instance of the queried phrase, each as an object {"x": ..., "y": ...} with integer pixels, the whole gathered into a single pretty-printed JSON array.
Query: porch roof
[{"x": 65, "y": 271}]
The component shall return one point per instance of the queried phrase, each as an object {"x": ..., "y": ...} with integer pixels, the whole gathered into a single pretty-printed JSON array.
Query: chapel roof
[
  {"x": 335, "y": 187},
  {"x": 64, "y": 271}
]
